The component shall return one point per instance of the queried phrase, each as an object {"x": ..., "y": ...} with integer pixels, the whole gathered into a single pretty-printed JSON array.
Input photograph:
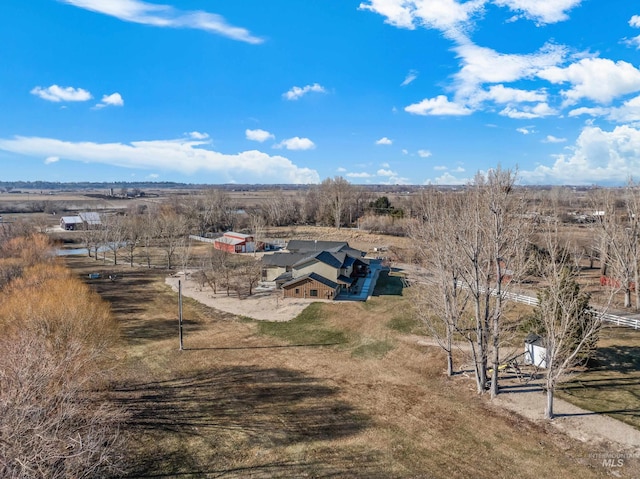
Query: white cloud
[
  {"x": 424, "y": 153},
  {"x": 483, "y": 65},
  {"x": 405, "y": 151},
  {"x": 51, "y": 159},
  {"x": 597, "y": 79},
  {"x": 197, "y": 135},
  {"x": 437, "y": 106},
  {"x": 385, "y": 172},
  {"x": 553, "y": 139},
  {"x": 635, "y": 21},
  {"x": 298, "y": 92},
  {"x": 440, "y": 168},
  {"x": 385, "y": 165},
  {"x": 411, "y": 76},
  {"x": 258, "y": 135},
  {"x": 634, "y": 42},
  {"x": 541, "y": 11},
  {"x": 448, "y": 179},
  {"x": 158, "y": 15},
  {"x": 359, "y": 175},
  {"x": 153, "y": 176},
  {"x": 296, "y": 143},
  {"x": 384, "y": 141},
  {"x": 57, "y": 93},
  {"x": 502, "y": 94},
  {"x": 525, "y": 131},
  {"x": 528, "y": 112},
  {"x": 444, "y": 15},
  {"x": 598, "y": 157},
  {"x": 115, "y": 99},
  {"x": 341, "y": 169},
  {"x": 182, "y": 155}
]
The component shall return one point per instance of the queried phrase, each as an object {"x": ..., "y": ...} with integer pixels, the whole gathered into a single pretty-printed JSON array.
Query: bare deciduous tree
[{"x": 564, "y": 319}]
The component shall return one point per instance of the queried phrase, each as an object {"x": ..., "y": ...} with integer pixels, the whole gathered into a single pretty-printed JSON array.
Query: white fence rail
[{"x": 607, "y": 317}]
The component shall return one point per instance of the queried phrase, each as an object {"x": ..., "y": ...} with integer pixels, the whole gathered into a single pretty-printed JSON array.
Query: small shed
[
  {"x": 70, "y": 223},
  {"x": 535, "y": 352}
]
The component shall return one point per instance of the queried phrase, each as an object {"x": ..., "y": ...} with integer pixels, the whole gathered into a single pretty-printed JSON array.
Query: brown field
[{"x": 335, "y": 393}]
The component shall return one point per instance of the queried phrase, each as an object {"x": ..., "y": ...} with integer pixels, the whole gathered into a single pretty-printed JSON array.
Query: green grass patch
[
  {"x": 310, "y": 327},
  {"x": 373, "y": 350},
  {"x": 611, "y": 385},
  {"x": 406, "y": 323}
]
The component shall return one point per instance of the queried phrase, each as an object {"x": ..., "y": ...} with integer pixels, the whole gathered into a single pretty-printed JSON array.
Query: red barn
[{"x": 235, "y": 243}]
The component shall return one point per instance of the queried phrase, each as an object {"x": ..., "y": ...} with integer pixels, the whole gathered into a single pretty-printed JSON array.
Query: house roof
[
  {"x": 282, "y": 260},
  {"x": 312, "y": 276},
  {"x": 91, "y": 218},
  {"x": 231, "y": 241},
  {"x": 71, "y": 219},
  {"x": 533, "y": 338},
  {"x": 233, "y": 234},
  {"x": 335, "y": 260},
  {"x": 345, "y": 279},
  {"x": 311, "y": 246}
]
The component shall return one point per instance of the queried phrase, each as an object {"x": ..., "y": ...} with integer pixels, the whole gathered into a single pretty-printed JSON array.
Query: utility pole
[{"x": 180, "y": 313}]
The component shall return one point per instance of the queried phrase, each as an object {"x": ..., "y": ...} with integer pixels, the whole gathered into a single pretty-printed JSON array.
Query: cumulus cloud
[
  {"x": 598, "y": 156},
  {"x": 184, "y": 155},
  {"x": 359, "y": 175},
  {"x": 525, "y": 131},
  {"x": 597, "y": 79},
  {"x": 298, "y": 92},
  {"x": 296, "y": 143},
  {"x": 480, "y": 65},
  {"x": 437, "y": 106},
  {"x": 58, "y": 94},
  {"x": 447, "y": 16},
  {"x": 424, "y": 153},
  {"x": 540, "y": 11},
  {"x": 411, "y": 76},
  {"x": 384, "y": 141},
  {"x": 51, "y": 159},
  {"x": 158, "y": 15},
  {"x": 258, "y": 135},
  {"x": 115, "y": 99},
  {"x": 635, "y": 21}
]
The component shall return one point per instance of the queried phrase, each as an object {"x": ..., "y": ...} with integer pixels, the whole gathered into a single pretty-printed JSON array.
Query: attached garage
[{"x": 310, "y": 286}]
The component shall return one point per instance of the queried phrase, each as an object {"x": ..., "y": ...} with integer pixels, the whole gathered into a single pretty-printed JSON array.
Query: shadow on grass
[
  {"x": 239, "y": 348},
  {"x": 256, "y": 407},
  {"x": 623, "y": 359}
]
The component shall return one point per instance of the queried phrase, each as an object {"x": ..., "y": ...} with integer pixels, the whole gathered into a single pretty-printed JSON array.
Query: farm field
[{"x": 337, "y": 392}]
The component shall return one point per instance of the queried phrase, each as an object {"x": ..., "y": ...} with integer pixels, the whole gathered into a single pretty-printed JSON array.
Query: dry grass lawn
[{"x": 245, "y": 400}]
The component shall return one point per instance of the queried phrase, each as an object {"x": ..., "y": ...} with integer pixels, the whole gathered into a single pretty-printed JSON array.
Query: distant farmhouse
[
  {"x": 315, "y": 269},
  {"x": 82, "y": 221}
]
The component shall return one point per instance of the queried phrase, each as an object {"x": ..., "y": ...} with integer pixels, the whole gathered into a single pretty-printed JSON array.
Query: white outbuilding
[{"x": 534, "y": 351}]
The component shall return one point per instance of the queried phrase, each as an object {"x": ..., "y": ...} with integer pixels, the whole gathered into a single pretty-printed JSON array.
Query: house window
[
  {"x": 313, "y": 292},
  {"x": 297, "y": 291}
]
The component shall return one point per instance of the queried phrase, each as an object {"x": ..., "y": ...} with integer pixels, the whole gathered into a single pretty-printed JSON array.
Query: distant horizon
[{"x": 379, "y": 92}]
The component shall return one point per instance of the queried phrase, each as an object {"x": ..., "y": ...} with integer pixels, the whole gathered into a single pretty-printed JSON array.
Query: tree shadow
[
  {"x": 258, "y": 407},
  {"x": 620, "y": 358}
]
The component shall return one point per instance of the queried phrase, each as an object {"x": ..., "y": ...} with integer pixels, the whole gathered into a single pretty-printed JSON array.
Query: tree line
[{"x": 57, "y": 334}]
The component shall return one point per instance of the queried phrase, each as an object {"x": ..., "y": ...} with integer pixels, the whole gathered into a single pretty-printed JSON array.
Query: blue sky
[{"x": 376, "y": 91}]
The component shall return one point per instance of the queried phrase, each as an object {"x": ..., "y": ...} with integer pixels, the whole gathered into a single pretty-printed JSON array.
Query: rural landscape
[{"x": 150, "y": 333}]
